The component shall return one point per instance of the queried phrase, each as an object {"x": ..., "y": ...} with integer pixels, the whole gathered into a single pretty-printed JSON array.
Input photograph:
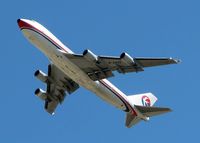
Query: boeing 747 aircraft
[{"x": 67, "y": 71}]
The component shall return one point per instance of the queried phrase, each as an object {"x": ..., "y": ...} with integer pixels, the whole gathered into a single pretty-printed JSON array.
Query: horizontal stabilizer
[
  {"x": 151, "y": 111},
  {"x": 131, "y": 120}
]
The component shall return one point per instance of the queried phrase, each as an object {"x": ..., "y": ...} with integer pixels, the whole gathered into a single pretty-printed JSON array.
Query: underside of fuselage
[{"x": 57, "y": 56}]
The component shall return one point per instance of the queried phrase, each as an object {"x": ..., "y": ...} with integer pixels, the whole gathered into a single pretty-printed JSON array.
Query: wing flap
[
  {"x": 50, "y": 106},
  {"x": 95, "y": 70}
]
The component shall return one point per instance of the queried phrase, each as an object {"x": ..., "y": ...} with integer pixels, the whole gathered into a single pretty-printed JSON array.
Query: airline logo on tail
[{"x": 146, "y": 101}]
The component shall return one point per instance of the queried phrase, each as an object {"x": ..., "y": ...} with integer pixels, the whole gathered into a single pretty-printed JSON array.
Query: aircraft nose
[
  {"x": 22, "y": 23},
  {"x": 18, "y": 20}
]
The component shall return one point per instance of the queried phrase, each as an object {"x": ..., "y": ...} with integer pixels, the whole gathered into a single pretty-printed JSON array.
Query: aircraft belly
[
  {"x": 110, "y": 96},
  {"x": 83, "y": 79},
  {"x": 71, "y": 70}
]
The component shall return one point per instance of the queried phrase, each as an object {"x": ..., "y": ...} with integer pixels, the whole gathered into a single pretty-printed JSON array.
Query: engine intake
[
  {"x": 41, "y": 94},
  {"x": 127, "y": 59},
  {"x": 88, "y": 55},
  {"x": 41, "y": 76}
]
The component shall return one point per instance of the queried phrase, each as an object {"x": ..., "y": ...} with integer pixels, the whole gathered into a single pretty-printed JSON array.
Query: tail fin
[
  {"x": 145, "y": 99},
  {"x": 143, "y": 105},
  {"x": 146, "y": 112}
]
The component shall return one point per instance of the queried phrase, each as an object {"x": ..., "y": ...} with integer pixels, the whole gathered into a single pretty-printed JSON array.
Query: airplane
[{"x": 68, "y": 71}]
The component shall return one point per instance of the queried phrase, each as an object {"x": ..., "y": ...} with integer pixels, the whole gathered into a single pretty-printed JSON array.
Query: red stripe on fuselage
[
  {"x": 119, "y": 96},
  {"x": 25, "y": 25}
]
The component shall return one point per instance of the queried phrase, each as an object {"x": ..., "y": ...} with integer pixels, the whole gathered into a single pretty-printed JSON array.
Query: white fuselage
[{"x": 55, "y": 51}]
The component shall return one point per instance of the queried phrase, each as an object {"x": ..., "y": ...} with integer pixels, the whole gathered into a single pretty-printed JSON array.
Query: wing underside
[
  {"x": 57, "y": 85},
  {"x": 103, "y": 66}
]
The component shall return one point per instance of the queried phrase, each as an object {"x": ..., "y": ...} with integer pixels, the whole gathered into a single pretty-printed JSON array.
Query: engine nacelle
[
  {"x": 41, "y": 76},
  {"x": 88, "y": 55},
  {"x": 41, "y": 94},
  {"x": 126, "y": 58}
]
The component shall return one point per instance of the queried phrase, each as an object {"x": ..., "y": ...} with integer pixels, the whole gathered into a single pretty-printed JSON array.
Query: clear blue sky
[{"x": 108, "y": 27}]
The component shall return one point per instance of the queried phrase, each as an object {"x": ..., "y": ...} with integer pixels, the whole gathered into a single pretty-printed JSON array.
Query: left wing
[
  {"x": 57, "y": 83},
  {"x": 100, "y": 67}
]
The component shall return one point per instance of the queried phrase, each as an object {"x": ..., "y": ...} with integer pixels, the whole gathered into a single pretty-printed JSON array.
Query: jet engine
[
  {"x": 88, "y": 55},
  {"x": 126, "y": 58},
  {"x": 41, "y": 76},
  {"x": 41, "y": 94}
]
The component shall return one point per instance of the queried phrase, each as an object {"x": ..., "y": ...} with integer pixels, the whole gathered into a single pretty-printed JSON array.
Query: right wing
[
  {"x": 100, "y": 67},
  {"x": 57, "y": 83}
]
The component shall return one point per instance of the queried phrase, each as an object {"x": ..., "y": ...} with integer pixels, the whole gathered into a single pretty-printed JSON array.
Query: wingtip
[{"x": 176, "y": 61}]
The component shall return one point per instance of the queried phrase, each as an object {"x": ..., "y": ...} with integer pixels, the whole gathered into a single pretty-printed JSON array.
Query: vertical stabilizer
[
  {"x": 144, "y": 99},
  {"x": 142, "y": 104}
]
